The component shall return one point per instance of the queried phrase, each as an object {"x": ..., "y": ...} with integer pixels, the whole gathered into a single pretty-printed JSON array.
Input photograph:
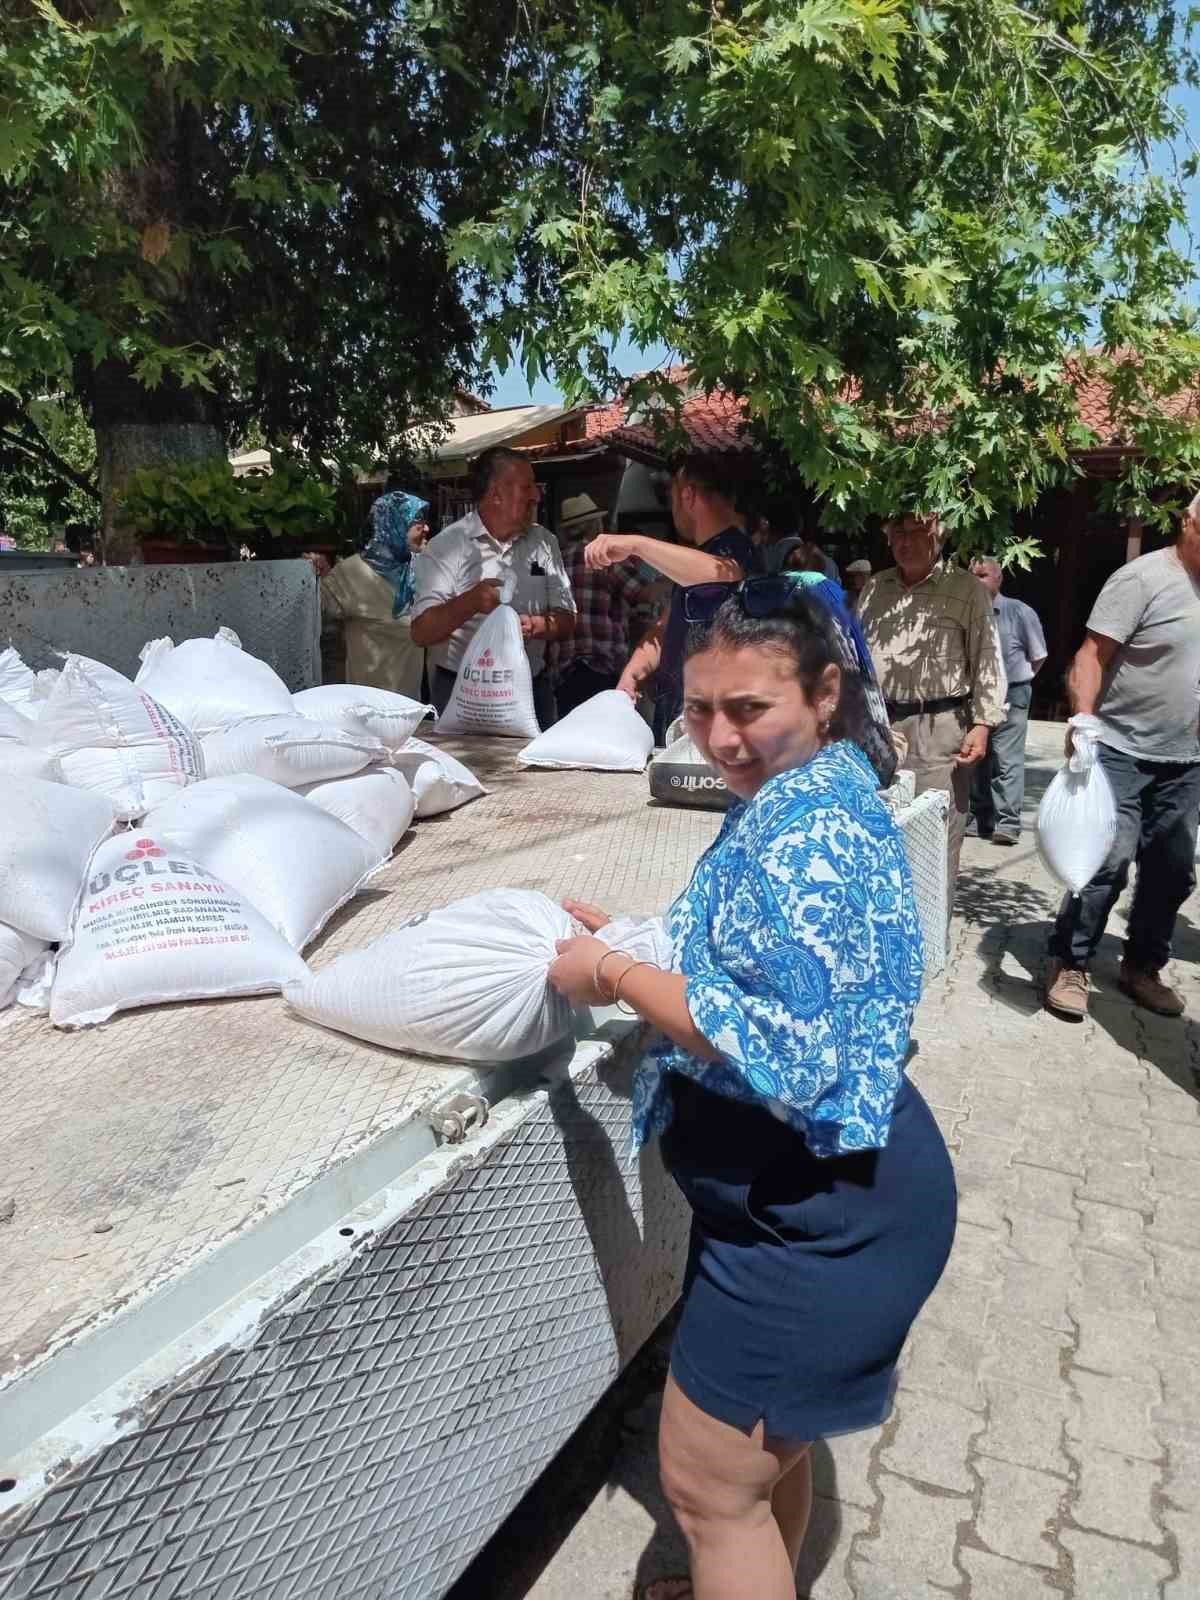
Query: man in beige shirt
[{"x": 937, "y": 653}]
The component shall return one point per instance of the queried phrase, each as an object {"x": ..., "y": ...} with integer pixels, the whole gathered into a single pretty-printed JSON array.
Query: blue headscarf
[
  {"x": 387, "y": 552},
  {"x": 875, "y": 738}
]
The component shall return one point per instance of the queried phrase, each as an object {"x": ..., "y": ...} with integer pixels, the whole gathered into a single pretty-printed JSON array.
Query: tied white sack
[
  {"x": 153, "y": 926},
  {"x": 1077, "y": 819},
  {"x": 356, "y": 708},
  {"x": 493, "y": 692},
  {"x": 466, "y": 982},
  {"x": 643, "y": 938},
  {"x": 289, "y": 750},
  {"x": 22, "y": 761},
  {"x": 377, "y": 804},
  {"x": 49, "y": 832},
  {"x": 291, "y": 861},
  {"x": 19, "y": 954},
  {"x": 604, "y": 734},
  {"x": 13, "y": 726},
  {"x": 211, "y": 683},
  {"x": 111, "y": 736},
  {"x": 438, "y": 780},
  {"x": 17, "y": 681}
]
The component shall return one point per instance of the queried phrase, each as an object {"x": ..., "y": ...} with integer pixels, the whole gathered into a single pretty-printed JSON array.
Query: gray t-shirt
[{"x": 1151, "y": 696}]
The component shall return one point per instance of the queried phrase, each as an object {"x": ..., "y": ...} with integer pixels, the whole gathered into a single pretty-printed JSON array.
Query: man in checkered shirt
[
  {"x": 937, "y": 654},
  {"x": 608, "y": 600}
]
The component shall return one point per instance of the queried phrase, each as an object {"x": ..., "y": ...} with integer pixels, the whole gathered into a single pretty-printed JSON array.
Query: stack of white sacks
[{"x": 187, "y": 834}]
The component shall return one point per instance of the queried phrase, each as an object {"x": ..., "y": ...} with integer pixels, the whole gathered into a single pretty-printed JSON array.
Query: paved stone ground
[{"x": 1046, "y": 1437}]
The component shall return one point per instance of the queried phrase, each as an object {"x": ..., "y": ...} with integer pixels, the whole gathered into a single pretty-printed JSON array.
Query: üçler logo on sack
[{"x": 143, "y": 861}]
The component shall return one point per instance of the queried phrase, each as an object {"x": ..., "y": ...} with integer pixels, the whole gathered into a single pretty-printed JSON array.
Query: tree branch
[{"x": 36, "y": 446}]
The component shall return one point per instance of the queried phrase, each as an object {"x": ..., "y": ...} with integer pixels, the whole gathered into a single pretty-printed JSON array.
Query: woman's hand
[
  {"x": 573, "y": 975},
  {"x": 590, "y": 917}
]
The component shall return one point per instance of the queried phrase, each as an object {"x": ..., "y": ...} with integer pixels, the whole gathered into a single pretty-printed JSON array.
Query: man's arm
[
  {"x": 1086, "y": 677},
  {"x": 679, "y": 562},
  {"x": 436, "y": 623},
  {"x": 985, "y": 663},
  {"x": 1034, "y": 639},
  {"x": 643, "y": 663}
]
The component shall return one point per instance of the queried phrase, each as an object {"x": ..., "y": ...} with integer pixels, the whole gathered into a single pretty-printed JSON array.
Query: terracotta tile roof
[{"x": 716, "y": 421}]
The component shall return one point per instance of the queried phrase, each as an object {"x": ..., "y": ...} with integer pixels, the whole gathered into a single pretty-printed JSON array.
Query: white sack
[
  {"x": 43, "y": 689},
  {"x": 292, "y": 862},
  {"x": 22, "y": 761},
  {"x": 17, "y": 682},
  {"x": 643, "y": 938},
  {"x": 466, "y": 982},
  {"x": 438, "y": 780},
  {"x": 493, "y": 692},
  {"x": 18, "y": 953},
  {"x": 210, "y": 683},
  {"x": 13, "y": 726},
  {"x": 47, "y": 834},
  {"x": 153, "y": 926},
  {"x": 356, "y": 708},
  {"x": 289, "y": 750},
  {"x": 113, "y": 737},
  {"x": 377, "y": 804},
  {"x": 1077, "y": 819},
  {"x": 605, "y": 734}
]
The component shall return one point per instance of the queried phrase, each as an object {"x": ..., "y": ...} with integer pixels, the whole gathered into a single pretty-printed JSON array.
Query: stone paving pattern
[{"x": 1046, "y": 1436}]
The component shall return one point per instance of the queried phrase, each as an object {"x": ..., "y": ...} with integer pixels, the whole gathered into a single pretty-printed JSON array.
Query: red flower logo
[{"x": 145, "y": 847}]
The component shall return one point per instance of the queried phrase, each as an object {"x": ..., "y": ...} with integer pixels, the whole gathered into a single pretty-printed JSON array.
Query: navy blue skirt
[{"x": 804, "y": 1273}]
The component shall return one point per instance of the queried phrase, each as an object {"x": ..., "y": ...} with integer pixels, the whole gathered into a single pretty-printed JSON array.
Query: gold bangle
[
  {"x": 596, "y": 983},
  {"x": 630, "y": 1011}
]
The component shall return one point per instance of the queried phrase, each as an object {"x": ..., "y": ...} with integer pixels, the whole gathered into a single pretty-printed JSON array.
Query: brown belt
[{"x": 899, "y": 709}]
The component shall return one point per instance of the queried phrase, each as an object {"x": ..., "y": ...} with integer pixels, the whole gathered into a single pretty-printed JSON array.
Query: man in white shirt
[{"x": 460, "y": 576}]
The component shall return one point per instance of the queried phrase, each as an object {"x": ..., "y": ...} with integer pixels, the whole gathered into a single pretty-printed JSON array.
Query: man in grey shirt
[
  {"x": 1138, "y": 670},
  {"x": 998, "y": 785}
]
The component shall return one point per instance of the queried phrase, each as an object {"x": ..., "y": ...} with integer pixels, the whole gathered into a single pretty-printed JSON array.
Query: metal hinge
[{"x": 458, "y": 1116}]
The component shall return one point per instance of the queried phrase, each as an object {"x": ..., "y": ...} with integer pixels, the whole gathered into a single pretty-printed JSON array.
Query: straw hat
[{"x": 578, "y": 508}]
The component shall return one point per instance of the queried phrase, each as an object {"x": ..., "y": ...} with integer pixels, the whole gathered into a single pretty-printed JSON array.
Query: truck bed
[{"x": 137, "y": 1151}]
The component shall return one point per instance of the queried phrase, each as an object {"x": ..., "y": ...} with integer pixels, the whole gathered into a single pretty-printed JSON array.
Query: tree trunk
[{"x": 123, "y": 447}]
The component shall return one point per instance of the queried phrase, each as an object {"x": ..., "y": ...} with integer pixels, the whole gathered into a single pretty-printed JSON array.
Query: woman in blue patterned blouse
[{"x": 822, "y": 1194}]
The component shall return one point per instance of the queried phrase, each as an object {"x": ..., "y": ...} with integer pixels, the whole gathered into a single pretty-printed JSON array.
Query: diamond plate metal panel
[
  {"x": 108, "y": 613},
  {"x": 378, "y": 1428}
]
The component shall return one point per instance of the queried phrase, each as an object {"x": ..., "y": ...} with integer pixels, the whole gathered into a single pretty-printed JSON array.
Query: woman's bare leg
[
  {"x": 792, "y": 1505},
  {"x": 719, "y": 1482}
]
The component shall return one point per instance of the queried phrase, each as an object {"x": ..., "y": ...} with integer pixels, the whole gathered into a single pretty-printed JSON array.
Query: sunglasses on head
[{"x": 763, "y": 596}]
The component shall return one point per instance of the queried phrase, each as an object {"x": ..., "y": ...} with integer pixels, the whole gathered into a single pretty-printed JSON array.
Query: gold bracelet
[
  {"x": 630, "y": 1011},
  {"x": 596, "y": 983}
]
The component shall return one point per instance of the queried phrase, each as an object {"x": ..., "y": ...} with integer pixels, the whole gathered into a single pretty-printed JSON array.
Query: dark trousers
[
  {"x": 579, "y": 683},
  {"x": 1158, "y": 803},
  {"x": 998, "y": 786},
  {"x": 441, "y": 687}
]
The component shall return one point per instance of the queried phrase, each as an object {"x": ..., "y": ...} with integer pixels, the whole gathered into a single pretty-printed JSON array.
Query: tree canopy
[
  {"x": 218, "y": 212},
  {"x": 884, "y": 224}
]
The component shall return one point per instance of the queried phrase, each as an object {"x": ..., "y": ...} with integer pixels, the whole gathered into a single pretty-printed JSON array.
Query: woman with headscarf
[{"x": 372, "y": 593}]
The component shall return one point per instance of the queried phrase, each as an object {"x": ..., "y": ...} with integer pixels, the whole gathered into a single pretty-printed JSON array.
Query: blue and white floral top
[{"x": 799, "y": 938}]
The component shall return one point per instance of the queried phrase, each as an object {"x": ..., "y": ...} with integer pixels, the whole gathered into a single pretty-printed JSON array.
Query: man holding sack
[
  {"x": 496, "y": 553},
  {"x": 1138, "y": 671}
]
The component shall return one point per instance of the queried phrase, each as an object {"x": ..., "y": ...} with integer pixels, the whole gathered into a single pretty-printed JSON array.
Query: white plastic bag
[
  {"x": 17, "y": 682},
  {"x": 493, "y": 692},
  {"x": 153, "y": 926},
  {"x": 210, "y": 683},
  {"x": 605, "y": 734},
  {"x": 377, "y": 804},
  {"x": 289, "y": 750},
  {"x": 111, "y": 736},
  {"x": 18, "y": 953},
  {"x": 1077, "y": 819},
  {"x": 467, "y": 982},
  {"x": 438, "y": 780},
  {"x": 47, "y": 836},
  {"x": 290, "y": 860},
  {"x": 643, "y": 938},
  {"x": 356, "y": 708}
]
